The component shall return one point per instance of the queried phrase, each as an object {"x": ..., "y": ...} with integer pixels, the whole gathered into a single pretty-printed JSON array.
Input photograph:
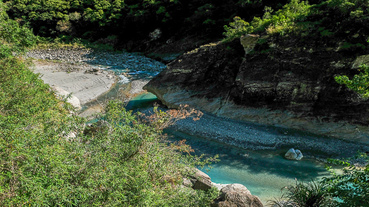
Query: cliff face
[{"x": 278, "y": 84}]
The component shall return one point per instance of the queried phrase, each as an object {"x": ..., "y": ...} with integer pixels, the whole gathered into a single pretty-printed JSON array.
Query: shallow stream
[{"x": 264, "y": 172}]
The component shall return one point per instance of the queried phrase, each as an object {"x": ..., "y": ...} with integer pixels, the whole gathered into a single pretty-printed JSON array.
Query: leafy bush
[
  {"x": 13, "y": 37},
  {"x": 350, "y": 188},
  {"x": 48, "y": 158},
  {"x": 281, "y": 22},
  {"x": 359, "y": 83}
]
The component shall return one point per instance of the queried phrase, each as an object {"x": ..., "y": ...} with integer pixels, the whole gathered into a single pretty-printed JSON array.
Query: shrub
[
  {"x": 280, "y": 22},
  {"x": 351, "y": 188},
  {"x": 359, "y": 83}
]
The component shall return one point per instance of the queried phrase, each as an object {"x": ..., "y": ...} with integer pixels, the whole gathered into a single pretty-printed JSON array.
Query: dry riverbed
[{"x": 90, "y": 76}]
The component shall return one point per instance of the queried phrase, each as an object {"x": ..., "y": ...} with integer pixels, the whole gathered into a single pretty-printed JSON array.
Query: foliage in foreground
[
  {"x": 123, "y": 164},
  {"x": 350, "y": 188},
  {"x": 310, "y": 194}
]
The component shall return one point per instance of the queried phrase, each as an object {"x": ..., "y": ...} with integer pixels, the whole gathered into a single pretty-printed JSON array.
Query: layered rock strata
[{"x": 277, "y": 85}]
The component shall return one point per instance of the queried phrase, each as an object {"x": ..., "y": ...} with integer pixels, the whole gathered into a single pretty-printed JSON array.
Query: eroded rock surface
[
  {"x": 293, "y": 154},
  {"x": 236, "y": 195},
  {"x": 274, "y": 85}
]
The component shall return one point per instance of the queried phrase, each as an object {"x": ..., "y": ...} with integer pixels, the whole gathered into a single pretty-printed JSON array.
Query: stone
[
  {"x": 236, "y": 195},
  {"x": 201, "y": 181},
  {"x": 218, "y": 186},
  {"x": 187, "y": 182},
  {"x": 360, "y": 60},
  {"x": 61, "y": 94},
  {"x": 295, "y": 85},
  {"x": 293, "y": 154},
  {"x": 156, "y": 34},
  {"x": 249, "y": 42}
]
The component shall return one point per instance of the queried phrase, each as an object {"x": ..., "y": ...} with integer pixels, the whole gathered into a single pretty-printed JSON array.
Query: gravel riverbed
[{"x": 131, "y": 65}]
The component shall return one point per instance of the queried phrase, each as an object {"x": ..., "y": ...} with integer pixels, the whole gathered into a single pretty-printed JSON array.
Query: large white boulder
[{"x": 293, "y": 154}]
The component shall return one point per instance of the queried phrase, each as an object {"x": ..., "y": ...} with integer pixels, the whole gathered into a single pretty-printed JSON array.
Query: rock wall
[{"x": 283, "y": 85}]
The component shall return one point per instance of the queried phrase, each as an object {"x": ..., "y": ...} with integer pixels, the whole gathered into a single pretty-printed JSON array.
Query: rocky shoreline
[
  {"x": 92, "y": 76},
  {"x": 223, "y": 80}
]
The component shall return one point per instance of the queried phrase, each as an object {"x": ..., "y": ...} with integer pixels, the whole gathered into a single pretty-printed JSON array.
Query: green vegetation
[
  {"x": 351, "y": 188},
  {"x": 49, "y": 158},
  {"x": 124, "y": 163},
  {"x": 132, "y": 21},
  {"x": 312, "y": 24},
  {"x": 310, "y": 194},
  {"x": 13, "y": 37},
  {"x": 281, "y": 22},
  {"x": 359, "y": 83}
]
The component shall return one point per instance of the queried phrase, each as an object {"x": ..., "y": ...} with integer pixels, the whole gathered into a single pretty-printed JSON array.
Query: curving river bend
[{"x": 263, "y": 172}]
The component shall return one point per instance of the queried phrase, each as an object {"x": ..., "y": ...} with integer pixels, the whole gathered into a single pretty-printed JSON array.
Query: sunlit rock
[
  {"x": 236, "y": 195},
  {"x": 201, "y": 181},
  {"x": 249, "y": 42},
  {"x": 293, "y": 154}
]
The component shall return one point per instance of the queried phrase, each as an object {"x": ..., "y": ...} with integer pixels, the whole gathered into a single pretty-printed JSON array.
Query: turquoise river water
[{"x": 264, "y": 172}]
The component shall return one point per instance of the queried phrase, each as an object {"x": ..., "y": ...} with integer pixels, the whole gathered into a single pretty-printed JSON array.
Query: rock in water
[
  {"x": 293, "y": 154},
  {"x": 299, "y": 154},
  {"x": 236, "y": 195}
]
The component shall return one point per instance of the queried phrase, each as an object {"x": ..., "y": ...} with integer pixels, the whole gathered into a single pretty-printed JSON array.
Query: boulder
[
  {"x": 201, "y": 181},
  {"x": 187, "y": 183},
  {"x": 236, "y": 195},
  {"x": 293, "y": 154},
  {"x": 249, "y": 42}
]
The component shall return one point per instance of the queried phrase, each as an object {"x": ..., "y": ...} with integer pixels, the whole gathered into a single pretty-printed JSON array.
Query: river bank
[{"x": 92, "y": 76}]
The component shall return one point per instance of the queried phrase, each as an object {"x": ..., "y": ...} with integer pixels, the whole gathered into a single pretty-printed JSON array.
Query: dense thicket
[
  {"x": 134, "y": 20},
  {"x": 342, "y": 24}
]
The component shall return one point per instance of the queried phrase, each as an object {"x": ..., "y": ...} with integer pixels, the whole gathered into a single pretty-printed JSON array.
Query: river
[{"x": 263, "y": 172}]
